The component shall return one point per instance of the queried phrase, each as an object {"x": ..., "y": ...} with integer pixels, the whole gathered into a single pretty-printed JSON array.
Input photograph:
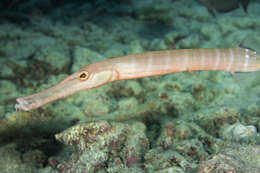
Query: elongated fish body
[
  {"x": 172, "y": 61},
  {"x": 145, "y": 65}
]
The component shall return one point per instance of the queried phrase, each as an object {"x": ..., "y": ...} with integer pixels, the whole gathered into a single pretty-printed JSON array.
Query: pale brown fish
[{"x": 145, "y": 65}]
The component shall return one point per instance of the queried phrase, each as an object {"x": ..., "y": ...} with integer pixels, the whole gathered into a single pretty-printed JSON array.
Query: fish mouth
[
  {"x": 43, "y": 97},
  {"x": 65, "y": 88},
  {"x": 23, "y": 104}
]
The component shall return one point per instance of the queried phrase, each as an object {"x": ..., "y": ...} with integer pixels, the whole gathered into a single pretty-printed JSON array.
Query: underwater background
[{"x": 204, "y": 122}]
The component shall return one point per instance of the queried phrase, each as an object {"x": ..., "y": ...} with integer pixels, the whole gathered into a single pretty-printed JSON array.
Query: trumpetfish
[{"x": 144, "y": 65}]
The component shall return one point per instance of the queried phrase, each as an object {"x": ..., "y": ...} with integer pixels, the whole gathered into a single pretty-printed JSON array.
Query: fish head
[{"x": 81, "y": 80}]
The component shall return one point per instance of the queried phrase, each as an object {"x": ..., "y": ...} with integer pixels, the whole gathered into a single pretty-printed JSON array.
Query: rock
[
  {"x": 238, "y": 132},
  {"x": 59, "y": 62},
  {"x": 101, "y": 144},
  {"x": 84, "y": 56},
  {"x": 234, "y": 159}
]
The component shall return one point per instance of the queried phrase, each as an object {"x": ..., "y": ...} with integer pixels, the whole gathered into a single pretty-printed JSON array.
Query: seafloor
[{"x": 204, "y": 122}]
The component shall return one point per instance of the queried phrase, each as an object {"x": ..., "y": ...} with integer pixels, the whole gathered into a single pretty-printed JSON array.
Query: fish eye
[{"x": 83, "y": 75}]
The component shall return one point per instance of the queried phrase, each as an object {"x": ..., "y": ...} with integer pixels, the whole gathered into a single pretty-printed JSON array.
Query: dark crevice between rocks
[
  {"x": 153, "y": 130},
  {"x": 34, "y": 139}
]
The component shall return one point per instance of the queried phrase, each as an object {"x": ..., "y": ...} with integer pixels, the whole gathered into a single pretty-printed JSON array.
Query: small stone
[{"x": 238, "y": 132}]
